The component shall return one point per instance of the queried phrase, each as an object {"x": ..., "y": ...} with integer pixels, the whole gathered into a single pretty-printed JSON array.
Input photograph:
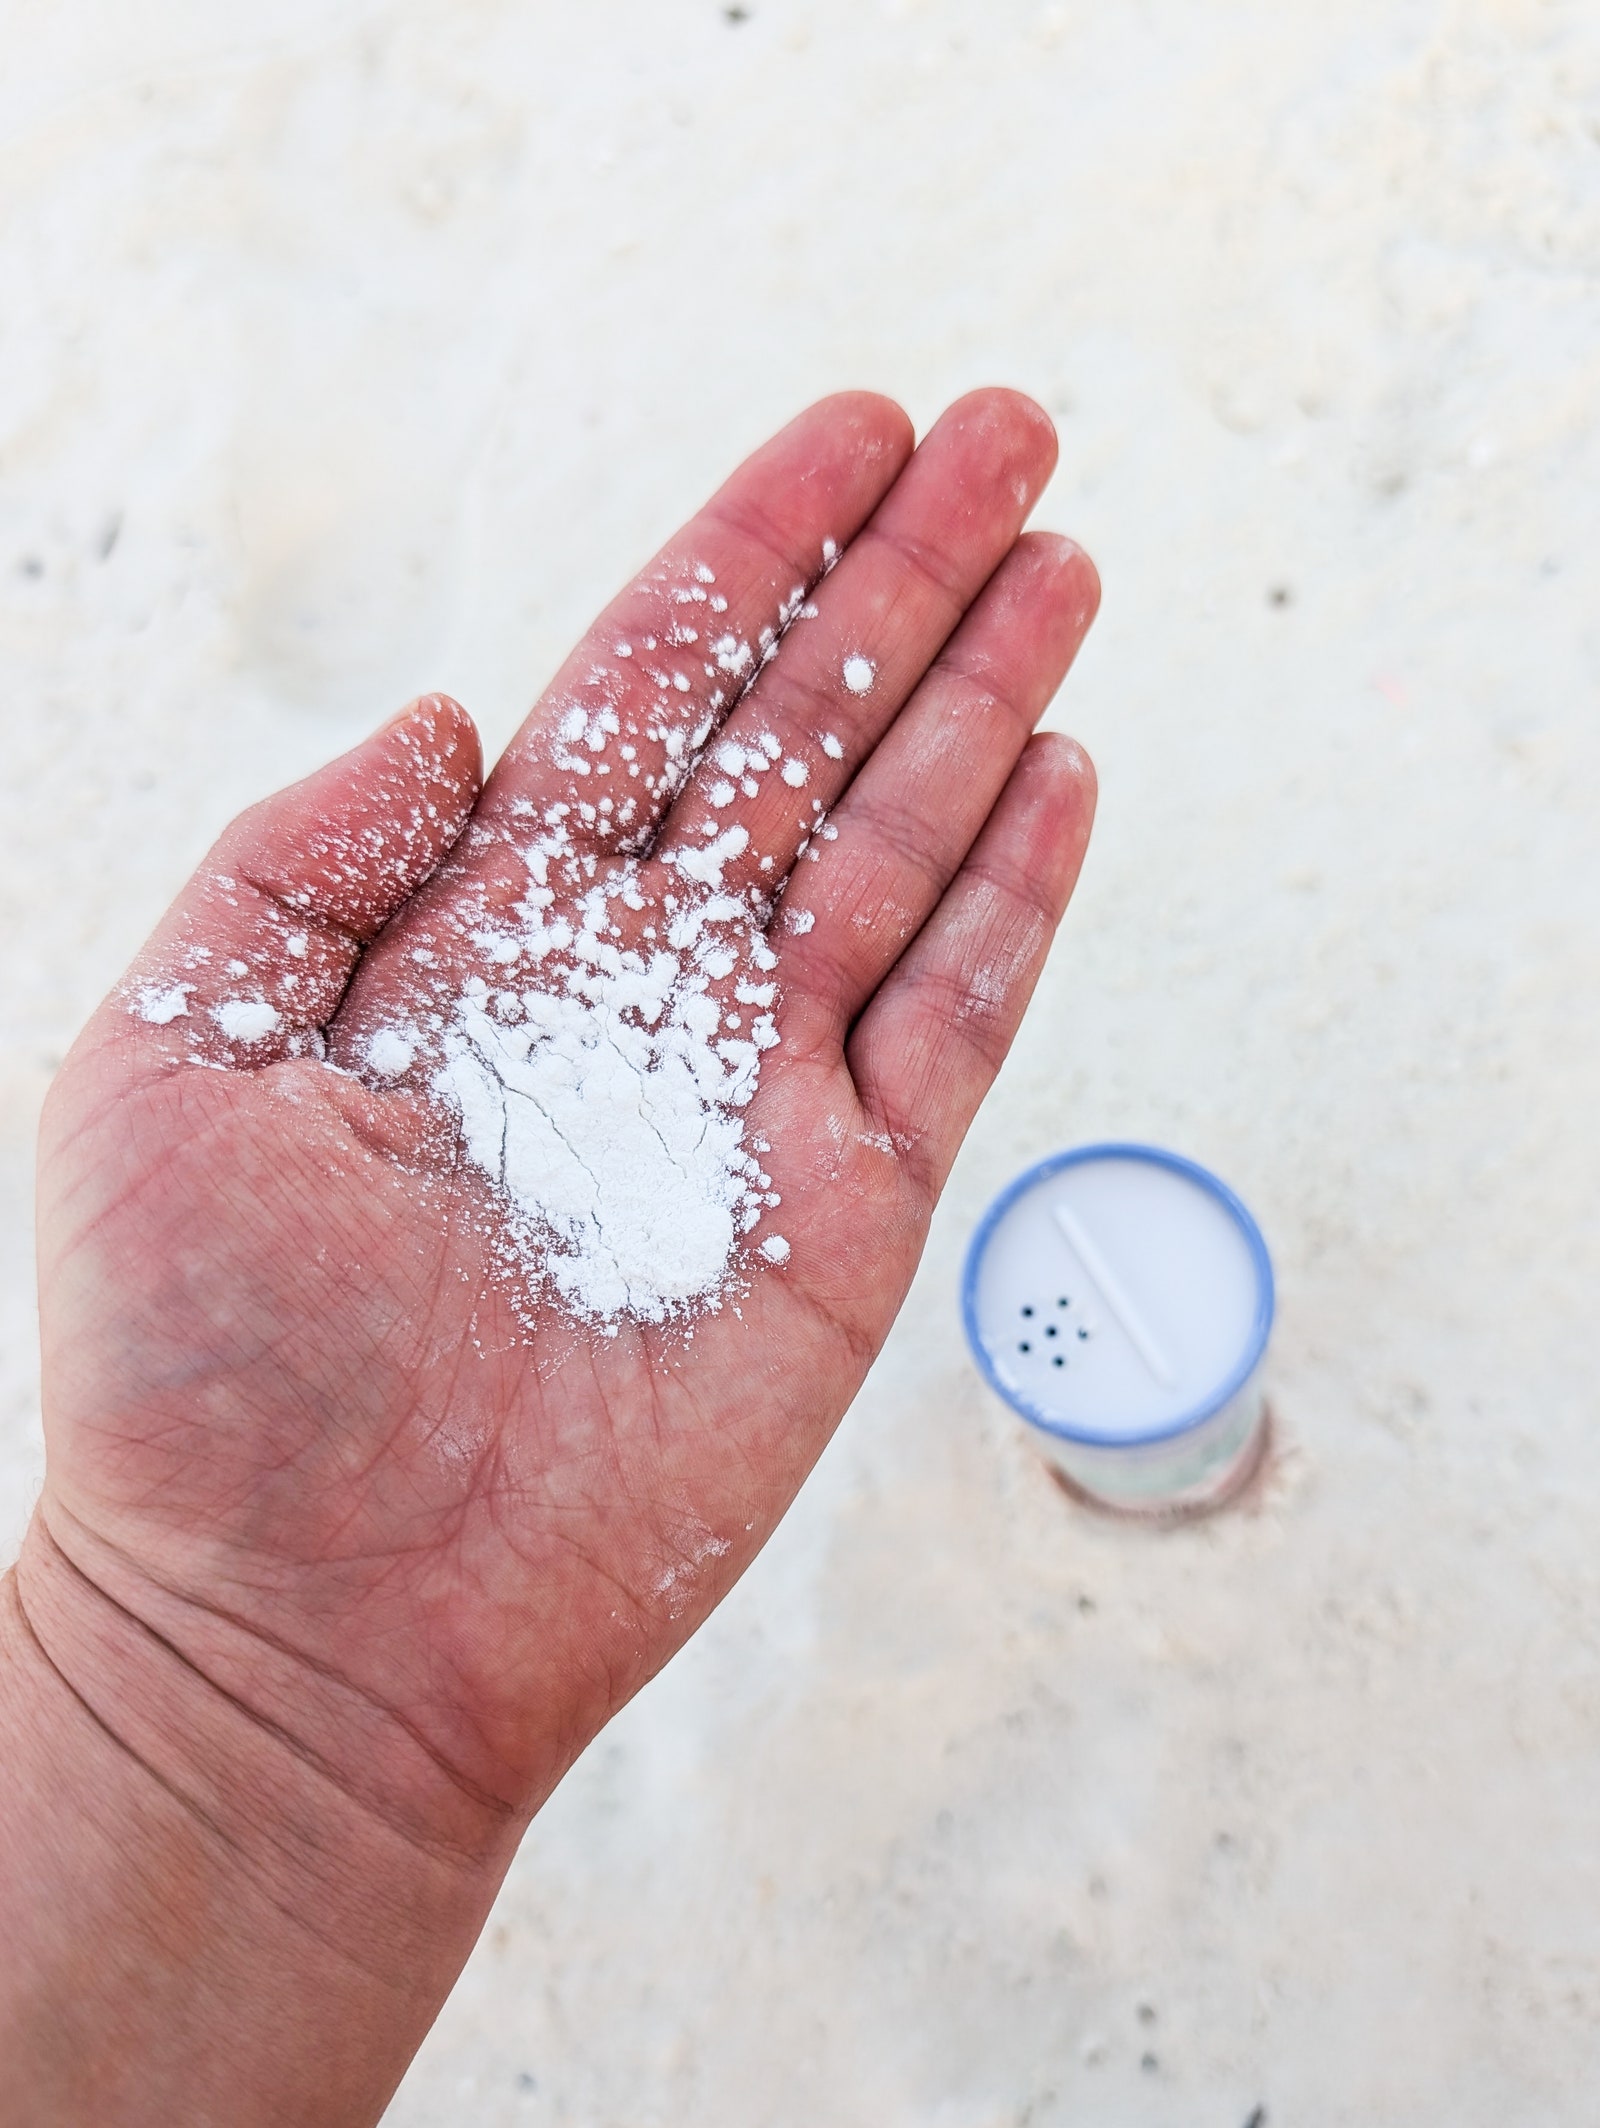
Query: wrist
[{"x": 210, "y": 1919}]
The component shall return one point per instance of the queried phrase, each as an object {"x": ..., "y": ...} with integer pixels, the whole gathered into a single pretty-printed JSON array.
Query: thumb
[{"x": 250, "y": 962}]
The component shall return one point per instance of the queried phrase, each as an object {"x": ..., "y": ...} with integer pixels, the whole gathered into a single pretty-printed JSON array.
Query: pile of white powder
[
  {"x": 606, "y": 1041},
  {"x": 602, "y": 1061},
  {"x": 601, "y": 1087}
]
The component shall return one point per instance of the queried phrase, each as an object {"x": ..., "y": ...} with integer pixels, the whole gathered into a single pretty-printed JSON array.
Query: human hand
[{"x": 378, "y": 1480}]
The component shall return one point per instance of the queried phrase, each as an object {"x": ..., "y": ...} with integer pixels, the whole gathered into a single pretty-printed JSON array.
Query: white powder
[
  {"x": 158, "y": 1003},
  {"x": 390, "y": 1052},
  {"x": 831, "y": 746},
  {"x": 604, "y": 1044},
  {"x": 801, "y": 920},
  {"x": 705, "y": 866},
  {"x": 859, "y": 673},
  {"x": 601, "y": 1082},
  {"x": 677, "y": 1583},
  {"x": 246, "y": 1019}
]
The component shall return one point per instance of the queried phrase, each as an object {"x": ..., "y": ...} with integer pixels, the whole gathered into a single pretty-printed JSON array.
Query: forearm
[{"x": 196, "y": 1930}]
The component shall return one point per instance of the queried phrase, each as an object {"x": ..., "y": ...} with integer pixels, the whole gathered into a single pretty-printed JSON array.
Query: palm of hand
[{"x": 302, "y": 1422}]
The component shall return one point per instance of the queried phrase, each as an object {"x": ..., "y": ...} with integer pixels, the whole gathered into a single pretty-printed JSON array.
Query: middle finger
[{"x": 860, "y": 646}]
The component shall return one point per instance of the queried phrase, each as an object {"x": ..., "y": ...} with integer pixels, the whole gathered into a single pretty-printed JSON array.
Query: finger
[
  {"x": 252, "y": 959},
  {"x": 816, "y": 713},
  {"x": 926, "y": 1050},
  {"x": 905, "y": 824},
  {"x": 614, "y": 735}
]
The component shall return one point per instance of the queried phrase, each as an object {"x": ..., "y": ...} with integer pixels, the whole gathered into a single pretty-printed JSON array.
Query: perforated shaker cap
[{"x": 1117, "y": 1294}]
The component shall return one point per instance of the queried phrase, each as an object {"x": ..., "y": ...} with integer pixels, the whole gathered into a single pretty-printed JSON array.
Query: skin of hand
[{"x": 347, "y": 1547}]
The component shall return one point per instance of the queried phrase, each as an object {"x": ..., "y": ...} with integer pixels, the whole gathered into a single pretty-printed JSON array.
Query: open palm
[{"x": 318, "y": 1434}]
